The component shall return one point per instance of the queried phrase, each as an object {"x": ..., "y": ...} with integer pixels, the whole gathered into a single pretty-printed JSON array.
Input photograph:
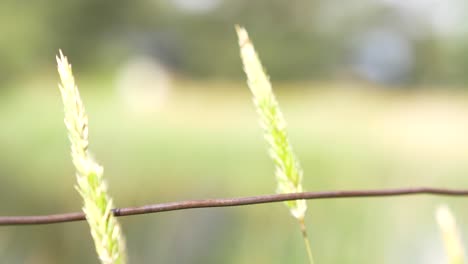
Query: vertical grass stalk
[
  {"x": 450, "y": 235},
  {"x": 288, "y": 171},
  {"x": 105, "y": 230}
]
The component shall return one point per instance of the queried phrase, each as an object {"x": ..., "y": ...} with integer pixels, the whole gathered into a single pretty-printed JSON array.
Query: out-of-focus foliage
[
  {"x": 205, "y": 143},
  {"x": 382, "y": 41}
]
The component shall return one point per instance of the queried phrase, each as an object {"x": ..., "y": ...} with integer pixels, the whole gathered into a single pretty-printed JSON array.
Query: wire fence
[{"x": 229, "y": 202}]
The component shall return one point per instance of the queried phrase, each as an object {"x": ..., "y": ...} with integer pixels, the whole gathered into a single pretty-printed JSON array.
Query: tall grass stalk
[
  {"x": 450, "y": 235},
  {"x": 105, "y": 230},
  {"x": 288, "y": 171}
]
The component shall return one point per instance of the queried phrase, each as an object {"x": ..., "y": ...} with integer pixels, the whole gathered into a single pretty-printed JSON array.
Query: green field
[{"x": 203, "y": 141}]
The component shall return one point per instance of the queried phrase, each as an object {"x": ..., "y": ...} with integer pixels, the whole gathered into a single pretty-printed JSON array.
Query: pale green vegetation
[
  {"x": 105, "y": 230},
  {"x": 450, "y": 235},
  {"x": 288, "y": 170}
]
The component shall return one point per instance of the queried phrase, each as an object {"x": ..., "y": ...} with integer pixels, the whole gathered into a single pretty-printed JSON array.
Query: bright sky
[
  {"x": 196, "y": 6},
  {"x": 447, "y": 17}
]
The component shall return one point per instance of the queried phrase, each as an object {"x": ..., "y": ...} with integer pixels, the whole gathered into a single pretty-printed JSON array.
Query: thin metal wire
[{"x": 225, "y": 202}]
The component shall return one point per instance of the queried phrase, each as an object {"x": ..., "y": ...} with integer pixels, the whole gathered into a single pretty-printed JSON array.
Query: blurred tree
[{"x": 297, "y": 40}]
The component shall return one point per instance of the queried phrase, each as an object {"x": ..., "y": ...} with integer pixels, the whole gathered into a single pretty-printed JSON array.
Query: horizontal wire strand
[{"x": 225, "y": 202}]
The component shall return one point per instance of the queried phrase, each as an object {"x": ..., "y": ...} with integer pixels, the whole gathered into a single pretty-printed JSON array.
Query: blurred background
[{"x": 374, "y": 92}]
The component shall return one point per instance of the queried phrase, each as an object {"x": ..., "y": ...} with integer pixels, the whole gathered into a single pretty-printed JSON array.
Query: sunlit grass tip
[
  {"x": 450, "y": 235},
  {"x": 105, "y": 230},
  {"x": 288, "y": 172}
]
